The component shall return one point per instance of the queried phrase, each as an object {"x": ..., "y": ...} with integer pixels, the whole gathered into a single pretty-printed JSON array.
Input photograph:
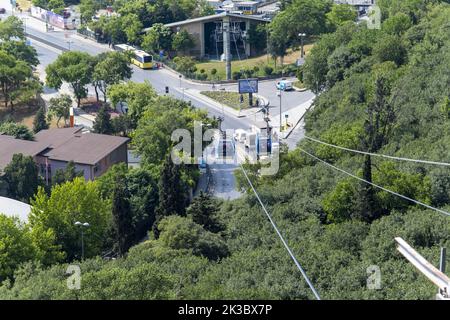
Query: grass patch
[
  {"x": 228, "y": 98},
  {"x": 300, "y": 85}
]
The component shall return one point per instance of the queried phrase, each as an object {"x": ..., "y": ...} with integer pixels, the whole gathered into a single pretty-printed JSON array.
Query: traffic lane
[
  {"x": 60, "y": 39},
  {"x": 268, "y": 89},
  {"x": 296, "y": 135},
  {"x": 223, "y": 184},
  {"x": 159, "y": 79},
  {"x": 47, "y": 55},
  {"x": 289, "y": 99}
]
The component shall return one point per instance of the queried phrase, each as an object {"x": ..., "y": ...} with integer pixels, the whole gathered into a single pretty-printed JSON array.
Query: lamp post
[
  {"x": 281, "y": 124},
  {"x": 301, "y": 35},
  {"x": 82, "y": 226},
  {"x": 69, "y": 42}
]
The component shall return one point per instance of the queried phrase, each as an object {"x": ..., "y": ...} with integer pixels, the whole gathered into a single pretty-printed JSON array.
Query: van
[{"x": 285, "y": 85}]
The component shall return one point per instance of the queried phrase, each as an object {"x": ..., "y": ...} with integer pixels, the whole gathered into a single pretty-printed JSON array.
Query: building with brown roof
[{"x": 53, "y": 149}]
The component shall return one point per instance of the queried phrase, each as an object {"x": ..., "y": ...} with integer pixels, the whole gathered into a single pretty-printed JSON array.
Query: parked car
[
  {"x": 2, "y": 10},
  {"x": 285, "y": 85}
]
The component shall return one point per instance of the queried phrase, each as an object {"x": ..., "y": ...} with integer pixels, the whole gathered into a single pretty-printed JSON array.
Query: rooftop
[
  {"x": 10, "y": 146},
  {"x": 56, "y": 137},
  {"x": 214, "y": 17},
  {"x": 68, "y": 144},
  {"x": 86, "y": 148},
  {"x": 14, "y": 208}
]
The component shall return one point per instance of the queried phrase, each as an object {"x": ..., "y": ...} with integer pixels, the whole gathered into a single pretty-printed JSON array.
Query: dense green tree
[
  {"x": 110, "y": 68},
  {"x": 122, "y": 125},
  {"x": 88, "y": 8},
  {"x": 16, "y": 80},
  {"x": 22, "y": 178},
  {"x": 159, "y": 37},
  {"x": 341, "y": 13},
  {"x": 60, "y": 108},
  {"x": 10, "y": 28},
  {"x": 21, "y": 51},
  {"x": 135, "y": 96},
  {"x": 390, "y": 48},
  {"x": 102, "y": 122},
  {"x": 15, "y": 245},
  {"x": 185, "y": 65},
  {"x": 182, "y": 42},
  {"x": 132, "y": 27},
  {"x": 40, "y": 121},
  {"x": 162, "y": 117},
  {"x": 257, "y": 36},
  {"x": 16, "y": 130},
  {"x": 74, "y": 68},
  {"x": 182, "y": 233},
  {"x": 68, "y": 203},
  {"x": 172, "y": 192},
  {"x": 203, "y": 210},
  {"x": 122, "y": 216}
]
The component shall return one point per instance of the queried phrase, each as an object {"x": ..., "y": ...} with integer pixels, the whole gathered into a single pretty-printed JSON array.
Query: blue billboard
[{"x": 248, "y": 85}]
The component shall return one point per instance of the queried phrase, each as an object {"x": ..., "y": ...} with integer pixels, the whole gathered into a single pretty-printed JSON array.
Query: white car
[{"x": 285, "y": 85}]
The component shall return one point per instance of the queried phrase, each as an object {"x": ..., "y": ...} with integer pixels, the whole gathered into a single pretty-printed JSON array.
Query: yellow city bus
[{"x": 140, "y": 58}]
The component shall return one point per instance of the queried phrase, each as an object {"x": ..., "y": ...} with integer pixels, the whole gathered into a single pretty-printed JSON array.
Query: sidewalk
[{"x": 294, "y": 116}]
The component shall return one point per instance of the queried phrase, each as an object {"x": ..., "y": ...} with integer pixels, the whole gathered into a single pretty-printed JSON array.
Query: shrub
[
  {"x": 236, "y": 75},
  {"x": 268, "y": 70},
  {"x": 185, "y": 65}
]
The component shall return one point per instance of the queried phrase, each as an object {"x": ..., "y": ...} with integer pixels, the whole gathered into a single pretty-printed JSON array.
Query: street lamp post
[
  {"x": 82, "y": 226},
  {"x": 301, "y": 35},
  {"x": 281, "y": 124},
  {"x": 69, "y": 42}
]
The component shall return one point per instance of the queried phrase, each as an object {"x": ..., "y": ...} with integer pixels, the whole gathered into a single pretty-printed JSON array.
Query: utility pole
[
  {"x": 301, "y": 35},
  {"x": 69, "y": 42},
  {"x": 281, "y": 124},
  {"x": 82, "y": 226},
  {"x": 227, "y": 45}
]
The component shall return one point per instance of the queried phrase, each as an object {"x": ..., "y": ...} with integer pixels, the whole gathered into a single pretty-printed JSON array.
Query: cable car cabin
[
  {"x": 139, "y": 58},
  {"x": 224, "y": 148}
]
